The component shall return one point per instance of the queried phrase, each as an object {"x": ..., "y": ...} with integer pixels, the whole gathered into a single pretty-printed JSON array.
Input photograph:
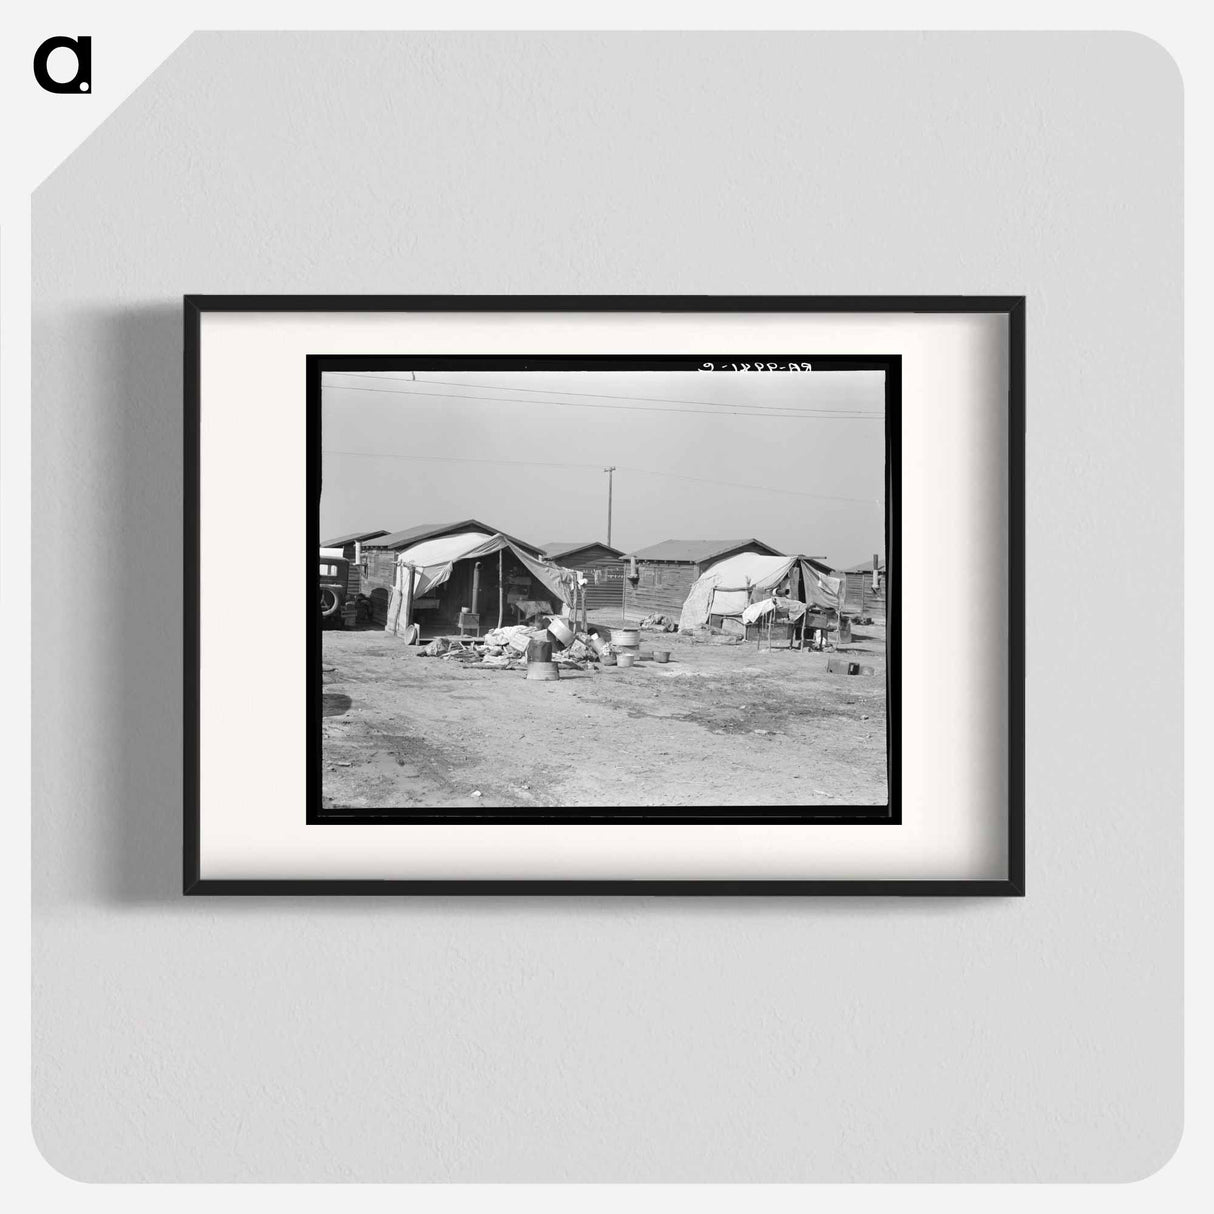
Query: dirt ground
[{"x": 716, "y": 725}]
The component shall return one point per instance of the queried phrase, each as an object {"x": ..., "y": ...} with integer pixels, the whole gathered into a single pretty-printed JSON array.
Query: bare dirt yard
[{"x": 717, "y": 725}]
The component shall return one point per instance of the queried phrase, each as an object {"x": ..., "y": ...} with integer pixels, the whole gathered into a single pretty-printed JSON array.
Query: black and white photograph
[{"x": 663, "y": 588}]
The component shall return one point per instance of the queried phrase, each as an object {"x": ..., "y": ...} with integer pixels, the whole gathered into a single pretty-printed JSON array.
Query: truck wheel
[{"x": 328, "y": 601}]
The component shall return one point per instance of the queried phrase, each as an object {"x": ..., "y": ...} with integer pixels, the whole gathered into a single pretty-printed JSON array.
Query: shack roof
[
  {"x": 696, "y": 552},
  {"x": 866, "y": 567},
  {"x": 564, "y": 548},
  {"x": 429, "y": 531},
  {"x": 355, "y": 537}
]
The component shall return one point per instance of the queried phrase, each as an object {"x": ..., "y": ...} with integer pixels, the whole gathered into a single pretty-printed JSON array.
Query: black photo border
[{"x": 1012, "y": 307}]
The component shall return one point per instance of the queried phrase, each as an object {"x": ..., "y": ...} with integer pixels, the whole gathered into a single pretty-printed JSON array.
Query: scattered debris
[
  {"x": 846, "y": 665},
  {"x": 516, "y": 636},
  {"x": 660, "y": 623}
]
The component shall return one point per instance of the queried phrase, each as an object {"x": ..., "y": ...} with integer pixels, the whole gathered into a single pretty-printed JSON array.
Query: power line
[
  {"x": 706, "y": 480},
  {"x": 458, "y": 459},
  {"x": 464, "y": 459},
  {"x": 661, "y": 400},
  {"x": 758, "y": 411}
]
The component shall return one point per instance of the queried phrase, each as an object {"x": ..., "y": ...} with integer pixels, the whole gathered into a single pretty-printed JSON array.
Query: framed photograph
[{"x": 684, "y": 595}]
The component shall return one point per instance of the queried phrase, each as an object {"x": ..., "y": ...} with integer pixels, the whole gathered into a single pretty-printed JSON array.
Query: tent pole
[
  {"x": 406, "y": 609},
  {"x": 501, "y": 590}
]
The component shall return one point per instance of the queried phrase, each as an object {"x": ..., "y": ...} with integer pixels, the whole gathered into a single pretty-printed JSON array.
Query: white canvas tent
[
  {"x": 729, "y": 586},
  {"x": 426, "y": 566}
]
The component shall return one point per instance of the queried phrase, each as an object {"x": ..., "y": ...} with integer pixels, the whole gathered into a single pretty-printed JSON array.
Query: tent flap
[{"x": 821, "y": 588}]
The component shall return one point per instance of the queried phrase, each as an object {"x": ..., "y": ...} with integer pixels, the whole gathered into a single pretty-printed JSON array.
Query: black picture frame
[{"x": 1011, "y": 307}]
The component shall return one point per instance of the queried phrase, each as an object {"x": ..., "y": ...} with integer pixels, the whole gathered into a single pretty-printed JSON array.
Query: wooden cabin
[
  {"x": 862, "y": 599},
  {"x": 599, "y": 563}
]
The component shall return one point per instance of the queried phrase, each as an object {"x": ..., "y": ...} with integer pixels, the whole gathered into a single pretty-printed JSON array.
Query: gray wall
[{"x": 629, "y": 1039}]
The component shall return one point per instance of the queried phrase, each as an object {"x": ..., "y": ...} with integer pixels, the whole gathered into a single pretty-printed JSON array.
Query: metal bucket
[
  {"x": 542, "y": 671},
  {"x": 626, "y": 638},
  {"x": 539, "y": 651},
  {"x": 624, "y": 660},
  {"x": 561, "y": 631},
  {"x": 661, "y": 655}
]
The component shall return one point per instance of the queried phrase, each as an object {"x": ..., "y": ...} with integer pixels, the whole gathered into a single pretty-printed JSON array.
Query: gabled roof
[
  {"x": 866, "y": 567},
  {"x": 355, "y": 537},
  {"x": 563, "y": 548},
  {"x": 428, "y": 531},
  {"x": 698, "y": 551},
  {"x": 398, "y": 539}
]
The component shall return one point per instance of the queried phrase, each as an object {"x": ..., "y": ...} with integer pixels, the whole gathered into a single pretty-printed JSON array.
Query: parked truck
[{"x": 334, "y": 587}]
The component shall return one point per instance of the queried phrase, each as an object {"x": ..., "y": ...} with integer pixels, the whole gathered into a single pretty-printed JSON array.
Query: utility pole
[{"x": 610, "y": 478}]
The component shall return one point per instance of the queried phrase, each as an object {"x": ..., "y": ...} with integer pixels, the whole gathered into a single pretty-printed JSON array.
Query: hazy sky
[{"x": 796, "y": 460}]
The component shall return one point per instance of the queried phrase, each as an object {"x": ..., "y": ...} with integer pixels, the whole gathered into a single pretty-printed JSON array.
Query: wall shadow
[{"x": 138, "y": 598}]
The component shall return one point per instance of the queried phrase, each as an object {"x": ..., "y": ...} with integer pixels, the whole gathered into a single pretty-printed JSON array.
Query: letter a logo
[{"x": 82, "y": 81}]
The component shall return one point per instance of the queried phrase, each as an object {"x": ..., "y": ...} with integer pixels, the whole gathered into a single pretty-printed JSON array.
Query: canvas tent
[
  {"x": 730, "y": 586},
  {"x": 424, "y": 567}
]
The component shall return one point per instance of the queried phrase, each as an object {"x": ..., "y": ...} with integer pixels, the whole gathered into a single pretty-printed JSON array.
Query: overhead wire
[
  {"x": 755, "y": 411},
  {"x": 662, "y": 400}
]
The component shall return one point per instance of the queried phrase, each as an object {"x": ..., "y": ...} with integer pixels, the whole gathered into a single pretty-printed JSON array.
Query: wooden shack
[
  {"x": 665, "y": 572},
  {"x": 863, "y": 598},
  {"x": 599, "y": 563}
]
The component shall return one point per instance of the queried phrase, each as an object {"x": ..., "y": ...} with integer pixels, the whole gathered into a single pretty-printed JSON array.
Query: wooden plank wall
[
  {"x": 662, "y": 587},
  {"x": 377, "y": 577},
  {"x": 604, "y": 583},
  {"x": 380, "y": 569},
  {"x": 860, "y": 592}
]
